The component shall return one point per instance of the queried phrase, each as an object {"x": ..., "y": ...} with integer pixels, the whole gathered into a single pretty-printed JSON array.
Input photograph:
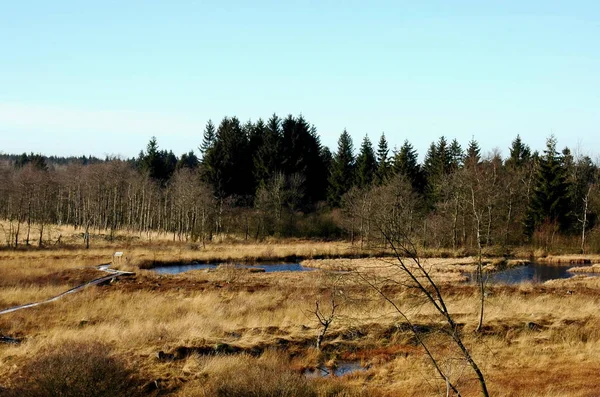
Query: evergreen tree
[
  {"x": 519, "y": 154},
  {"x": 255, "y": 134},
  {"x": 208, "y": 138},
  {"x": 406, "y": 164},
  {"x": 227, "y": 163},
  {"x": 430, "y": 163},
  {"x": 37, "y": 160},
  {"x": 326, "y": 159},
  {"x": 456, "y": 155},
  {"x": 301, "y": 156},
  {"x": 169, "y": 166},
  {"x": 342, "y": 170},
  {"x": 384, "y": 167},
  {"x": 188, "y": 160},
  {"x": 268, "y": 159},
  {"x": 265, "y": 143},
  {"x": 366, "y": 164},
  {"x": 444, "y": 158},
  {"x": 150, "y": 161},
  {"x": 473, "y": 156},
  {"x": 437, "y": 162},
  {"x": 550, "y": 201},
  {"x": 159, "y": 165},
  {"x": 319, "y": 179}
]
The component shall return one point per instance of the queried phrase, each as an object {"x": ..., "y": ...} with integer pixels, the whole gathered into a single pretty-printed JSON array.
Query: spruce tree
[
  {"x": 227, "y": 164},
  {"x": 188, "y": 160},
  {"x": 150, "y": 160},
  {"x": 208, "y": 139},
  {"x": 519, "y": 154},
  {"x": 317, "y": 178},
  {"x": 366, "y": 164},
  {"x": 37, "y": 160},
  {"x": 384, "y": 167},
  {"x": 159, "y": 165},
  {"x": 301, "y": 156},
  {"x": 342, "y": 170},
  {"x": 326, "y": 159},
  {"x": 430, "y": 163},
  {"x": 433, "y": 170},
  {"x": 550, "y": 201},
  {"x": 444, "y": 158},
  {"x": 456, "y": 155},
  {"x": 473, "y": 156},
  {"x": 406, "y": 164},
  {"x": 265, "y": 146}
]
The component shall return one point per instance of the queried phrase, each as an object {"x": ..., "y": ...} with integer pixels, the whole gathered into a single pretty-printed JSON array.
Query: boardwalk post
[{"x": 117, "y": 257}]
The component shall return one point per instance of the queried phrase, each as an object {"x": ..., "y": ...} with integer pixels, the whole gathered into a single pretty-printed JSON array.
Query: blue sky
[{"x": 103, "y": 77}]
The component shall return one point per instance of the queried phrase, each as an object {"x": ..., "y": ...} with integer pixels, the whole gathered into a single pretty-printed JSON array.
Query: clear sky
[{"x": 102, "y": 77}]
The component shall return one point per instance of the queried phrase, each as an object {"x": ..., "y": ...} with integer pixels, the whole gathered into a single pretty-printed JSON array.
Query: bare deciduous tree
[{"x": 391, "y": 219}]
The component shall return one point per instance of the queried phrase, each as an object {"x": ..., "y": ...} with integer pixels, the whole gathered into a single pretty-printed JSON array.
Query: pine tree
[
  {"x": 301, "y": 156},
  {"x": 169, "y": 164},
  {"x": 188, "y": 160},
  {"x": 150, "y": 160},
  {"x": 327, "y": 159},
  {"x": 473, "y": 156},
  {"x": 159, "y": 165},
  {"x": 227, "y": 163},
  {"x": 366, "y": 164},
  {"x": 444, "y": 158},
  {"x": 265, "y": 146},
  {"x": 519, "y": 154},
  {"x": 436, "y": 161},
  {"x": 550, "y": 201},
  {"x": 208, "y": 138},
  {"x": 342, "y": 170},
  {"x": 456, "y": 155},
  {"x": 406, "y": 164},
  {"x": 384, "y": 168},
  {"x": 318, "y": 179},
  {"x": 430, "y": 167},
  {"x": 37, "y": 160}
]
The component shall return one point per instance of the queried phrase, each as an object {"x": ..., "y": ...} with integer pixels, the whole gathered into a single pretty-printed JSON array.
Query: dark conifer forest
[{"x": 269, "y": 178}]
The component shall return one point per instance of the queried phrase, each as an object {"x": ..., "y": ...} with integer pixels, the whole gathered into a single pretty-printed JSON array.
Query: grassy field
[{"x": 229, "y": 331}]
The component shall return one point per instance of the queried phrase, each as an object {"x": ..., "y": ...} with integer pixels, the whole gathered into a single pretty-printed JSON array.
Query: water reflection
[
  {"x": 268, "y": 268},
  {"x": 342, "y": 368},
  {"x": 534, "y": 272}
]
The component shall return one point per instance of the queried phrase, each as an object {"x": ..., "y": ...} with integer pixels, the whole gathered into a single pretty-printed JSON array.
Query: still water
[
  {"x": 268, "y": 268},
  {"x": 342, "y": 368},
  {"x": 534, "y": 272}
]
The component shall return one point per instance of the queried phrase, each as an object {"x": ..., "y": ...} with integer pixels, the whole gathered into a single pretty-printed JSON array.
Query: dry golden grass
[
  {"x": 444, "y": 270},
  {"x": 539, "y": 340},
  {"x": 586, "y": 269},
  {"x": 570, "y": 259}
]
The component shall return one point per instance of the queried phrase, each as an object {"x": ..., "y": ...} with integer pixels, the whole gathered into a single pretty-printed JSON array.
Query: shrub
[
  {"x": 245, "y": 376},
  {"x": 73, "y": 370}
]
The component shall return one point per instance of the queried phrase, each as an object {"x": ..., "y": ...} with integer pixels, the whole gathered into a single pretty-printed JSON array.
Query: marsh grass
[{"x": 534, "y": 335}]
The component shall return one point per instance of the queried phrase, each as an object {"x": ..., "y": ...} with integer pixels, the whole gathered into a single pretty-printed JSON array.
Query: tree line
[{"x": 274, "y": 177}]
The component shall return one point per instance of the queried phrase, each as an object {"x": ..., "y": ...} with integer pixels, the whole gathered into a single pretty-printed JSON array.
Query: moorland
[{"x": 229, "y": 331}]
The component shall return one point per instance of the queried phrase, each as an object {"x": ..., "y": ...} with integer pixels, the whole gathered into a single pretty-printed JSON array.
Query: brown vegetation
[{"x": 187, "y": 334}]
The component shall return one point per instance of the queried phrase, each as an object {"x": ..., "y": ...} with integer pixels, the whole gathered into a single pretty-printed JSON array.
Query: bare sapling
[
  {"x": 417, "y": 278},
  {"x": 480, "y": 280},
  {"x": 584, "y": 218},
  {"x": 325, "y": 318}
]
